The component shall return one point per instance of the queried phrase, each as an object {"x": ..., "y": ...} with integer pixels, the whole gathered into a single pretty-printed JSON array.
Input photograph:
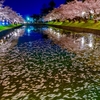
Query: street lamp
[{"x": 28, "y": 19}]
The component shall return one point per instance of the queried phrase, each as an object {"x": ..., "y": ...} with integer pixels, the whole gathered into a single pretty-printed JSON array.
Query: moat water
[{"x": 46, "y": 63}]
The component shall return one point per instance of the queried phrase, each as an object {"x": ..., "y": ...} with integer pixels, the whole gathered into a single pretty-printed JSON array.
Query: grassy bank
[
  {"x": 90, "y": 24},
  {"x": 2, "y": 28}
]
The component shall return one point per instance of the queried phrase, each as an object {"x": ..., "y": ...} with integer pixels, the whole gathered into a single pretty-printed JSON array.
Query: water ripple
[{"x": 41, "y": 71}]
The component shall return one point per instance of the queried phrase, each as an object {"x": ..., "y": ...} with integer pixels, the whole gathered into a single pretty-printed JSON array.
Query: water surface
[{"x": 40, "y": 63}]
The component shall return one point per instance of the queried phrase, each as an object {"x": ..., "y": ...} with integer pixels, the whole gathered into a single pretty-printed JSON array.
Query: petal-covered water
[{"x": 49, "y": 64}]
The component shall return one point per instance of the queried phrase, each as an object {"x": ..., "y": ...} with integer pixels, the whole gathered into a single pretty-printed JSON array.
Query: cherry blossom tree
[
  {"x": 89, "y": 9},
  {"x": 7, "y": 14}
]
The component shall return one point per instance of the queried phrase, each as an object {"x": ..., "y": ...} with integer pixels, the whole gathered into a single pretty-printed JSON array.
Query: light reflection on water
[{"x": 45, "y": 68}]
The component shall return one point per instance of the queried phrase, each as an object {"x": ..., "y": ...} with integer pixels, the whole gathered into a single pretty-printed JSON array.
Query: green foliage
[
  {"x": 90, "y": 24},
  {"x": 2, "y": 28}
]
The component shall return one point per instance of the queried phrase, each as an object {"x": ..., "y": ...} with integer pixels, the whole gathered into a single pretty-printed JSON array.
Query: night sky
[{"x": 29, "y": 7}]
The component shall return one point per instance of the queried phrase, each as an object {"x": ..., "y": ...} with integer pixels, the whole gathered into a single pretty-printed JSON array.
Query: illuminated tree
[
  {"x": 89, "y": 9},
  {"x": 7, "y": 14}
]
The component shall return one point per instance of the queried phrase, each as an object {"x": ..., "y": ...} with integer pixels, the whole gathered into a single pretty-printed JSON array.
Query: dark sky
[{"x": 29, "y": 7}]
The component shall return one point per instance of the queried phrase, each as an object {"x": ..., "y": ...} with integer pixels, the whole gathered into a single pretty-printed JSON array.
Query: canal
[{"x": 46, "y": 63}]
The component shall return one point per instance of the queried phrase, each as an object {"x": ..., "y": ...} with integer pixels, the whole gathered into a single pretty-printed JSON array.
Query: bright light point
[
  {"x": 8, "y": 36},
  {"x": 82, "y": 41},
  {"x": 91, "y": 12},
  {"x": 18, "y": 31},
  {"x": 90, "y": 44},
  {"x": 28, "y": 18},
  {"x": 28, "y": 30},
  {"x": 50, "y": 29},
  {"x": 15, "y": 34},
  {"x": 58, "y": 35},
  {"x": 90, "y": 41},
  {"x": 83, "y": 13},
  {"x": 3, "y": 23},
  {"x": 50, "y": 18}
]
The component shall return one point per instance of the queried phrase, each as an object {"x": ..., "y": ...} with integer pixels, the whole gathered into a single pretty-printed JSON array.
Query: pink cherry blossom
[{"x": 75, "y": 9}]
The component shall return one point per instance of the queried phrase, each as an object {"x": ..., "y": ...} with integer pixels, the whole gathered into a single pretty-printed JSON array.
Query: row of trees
[
  {"x": 7, "y": 14},
  {"x": 75, "y": 10}
]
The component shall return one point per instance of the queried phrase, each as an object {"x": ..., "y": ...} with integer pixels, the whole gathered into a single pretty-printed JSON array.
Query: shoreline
[
  {"x": 76, "y": 29},
  {"x": 89, "y": 26},
  {"x": 4, "y": 32}
]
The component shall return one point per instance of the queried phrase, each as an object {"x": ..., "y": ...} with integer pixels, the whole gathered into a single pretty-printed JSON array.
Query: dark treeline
[
  {"x": 47, "y": 9},
  {"x": 44, "y": 10},
  {"x": 66, "y": 1}
]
